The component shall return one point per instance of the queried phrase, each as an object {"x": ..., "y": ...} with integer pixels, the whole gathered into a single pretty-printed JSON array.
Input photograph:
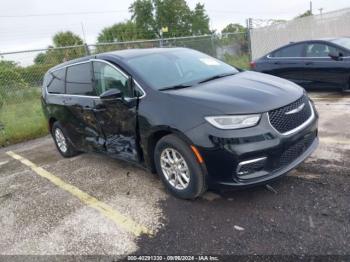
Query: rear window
[
  {"x": 289, "y": 51},
  {"x": 79, "y": 80},
  {"x": 55, "y": 81},
  {"x": 343, "y": 42}
]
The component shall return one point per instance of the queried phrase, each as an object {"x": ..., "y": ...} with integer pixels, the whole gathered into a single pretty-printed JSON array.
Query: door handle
[{"x": 309, "y": 63}]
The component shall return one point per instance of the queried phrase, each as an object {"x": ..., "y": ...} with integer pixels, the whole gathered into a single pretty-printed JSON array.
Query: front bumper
[{"x": 224, "y": 150}]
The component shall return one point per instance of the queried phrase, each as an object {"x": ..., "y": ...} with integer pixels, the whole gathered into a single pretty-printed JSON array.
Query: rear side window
[
  {"x": 290, "y": 51},
  {"x": 79, "y": 80},
  {"x": 55, "y": 81}
]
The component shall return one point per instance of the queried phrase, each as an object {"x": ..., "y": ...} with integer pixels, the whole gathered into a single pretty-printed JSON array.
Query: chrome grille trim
[{"x": 298, "y": 128}]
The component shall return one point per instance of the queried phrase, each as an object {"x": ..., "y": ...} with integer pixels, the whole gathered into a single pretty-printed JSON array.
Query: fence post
[
  {"x": 249, "y": 28},
  {"x": 213, "y": 45},
  {"x": 161, "y": 38},
  {"x": 87, "y": 50}
]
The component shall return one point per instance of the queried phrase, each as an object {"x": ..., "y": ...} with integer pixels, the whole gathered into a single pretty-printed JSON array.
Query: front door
[{"x": 117, "y": 118}]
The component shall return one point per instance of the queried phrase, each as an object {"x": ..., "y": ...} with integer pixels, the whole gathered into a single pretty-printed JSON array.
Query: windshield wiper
[
  {"x": 180, "y": 86},
  {"x": 215, "y": 77},
  {"x": 174, "y": 87}
]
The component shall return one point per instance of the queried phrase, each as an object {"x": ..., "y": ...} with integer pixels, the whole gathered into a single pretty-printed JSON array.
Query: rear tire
[
  {"x": 178, "y": 168},
  {"x": 62, "y": 142}
]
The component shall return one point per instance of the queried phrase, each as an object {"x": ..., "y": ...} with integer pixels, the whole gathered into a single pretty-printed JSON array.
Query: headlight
[{"x": 233, "y": 122}]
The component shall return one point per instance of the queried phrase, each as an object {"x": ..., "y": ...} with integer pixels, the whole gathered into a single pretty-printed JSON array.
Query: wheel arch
[
  {"x": 152, "y": 140},
  {"x": 51, "y": 121}
]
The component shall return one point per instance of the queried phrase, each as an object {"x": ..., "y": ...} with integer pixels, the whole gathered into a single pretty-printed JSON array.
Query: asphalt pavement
[{"x": 94, "y": 205}]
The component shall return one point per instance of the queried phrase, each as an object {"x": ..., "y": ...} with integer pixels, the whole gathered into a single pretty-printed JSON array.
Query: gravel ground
[{"x": 306, "y": 212}]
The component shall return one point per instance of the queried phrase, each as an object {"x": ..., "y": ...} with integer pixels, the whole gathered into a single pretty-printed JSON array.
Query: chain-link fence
[
  {"x": 21, "y": 75},
  {"x": 277, "y": 33}
]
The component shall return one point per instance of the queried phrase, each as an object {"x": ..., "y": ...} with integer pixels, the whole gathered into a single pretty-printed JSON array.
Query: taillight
[{"x": 252, "y": 65}]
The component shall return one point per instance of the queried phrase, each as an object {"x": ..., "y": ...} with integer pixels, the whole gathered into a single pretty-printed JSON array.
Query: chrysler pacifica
[{"x": 191, "y": 118}]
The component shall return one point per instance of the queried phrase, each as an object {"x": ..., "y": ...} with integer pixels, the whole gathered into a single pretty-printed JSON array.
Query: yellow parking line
[
  {"x": 330, "y": 140},
  {"x": 119, "y": 219}
]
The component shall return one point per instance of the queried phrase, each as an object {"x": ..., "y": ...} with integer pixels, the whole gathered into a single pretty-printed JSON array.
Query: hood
[{"x": 244, "y": 93}]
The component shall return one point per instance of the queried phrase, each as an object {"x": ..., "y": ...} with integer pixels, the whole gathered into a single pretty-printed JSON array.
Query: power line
[
  {"x": 58, "y": 14},
  {"x": 111, "y": 12}
]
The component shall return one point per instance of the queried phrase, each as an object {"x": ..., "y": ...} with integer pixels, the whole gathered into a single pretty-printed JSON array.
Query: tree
[
  {"x": 174, "y": 14},
  {"x": 236, "y": 34},
  {"x": 40, "y": 58},
  {"x": 57, "y": 53},
  {"x": 150, "y": 16},
  {"x": 143, "y": 15},
  {"x": 200, "y": 20},
  {"x": 234, "y": 28},
  {"x": 67, "y": 38},
  {"x": 124, "y": 31},
  {"x": 307, "y": 13}
]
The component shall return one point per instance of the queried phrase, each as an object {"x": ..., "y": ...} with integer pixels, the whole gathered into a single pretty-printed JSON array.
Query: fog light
[{"x": 250, "y": 166}]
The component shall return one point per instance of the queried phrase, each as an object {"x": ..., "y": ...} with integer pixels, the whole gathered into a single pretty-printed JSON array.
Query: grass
[
  {"x": 21, "y": 118},
  {"x": 240, "y": 61}
]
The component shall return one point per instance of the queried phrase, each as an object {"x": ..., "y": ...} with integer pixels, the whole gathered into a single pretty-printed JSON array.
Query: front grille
[
  {"x": 283, "y": 122},
  {"x": 296, "y": 150}
]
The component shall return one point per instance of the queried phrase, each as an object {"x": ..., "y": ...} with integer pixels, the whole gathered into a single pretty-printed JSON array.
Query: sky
[{"x": 30, "y": 24}]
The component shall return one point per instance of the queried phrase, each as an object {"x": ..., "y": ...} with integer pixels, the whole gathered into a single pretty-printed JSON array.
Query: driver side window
[{"x": 107, "y": 77}]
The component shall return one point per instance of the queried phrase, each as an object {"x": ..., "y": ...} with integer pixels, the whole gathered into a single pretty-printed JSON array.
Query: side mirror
[
  {"x": 336, "y": 56},
  {"x": 111, "y": 94}
]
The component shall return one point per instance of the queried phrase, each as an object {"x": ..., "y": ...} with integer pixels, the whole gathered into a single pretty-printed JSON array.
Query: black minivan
[{"x": 191, "y": 118}]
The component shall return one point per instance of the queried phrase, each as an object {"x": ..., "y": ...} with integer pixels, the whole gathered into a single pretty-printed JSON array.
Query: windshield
[
  {"x": 178, "y": 67},
  {"x": 344, "y": 42}
]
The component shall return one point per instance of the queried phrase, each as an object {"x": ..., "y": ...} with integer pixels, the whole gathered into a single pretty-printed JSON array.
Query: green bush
[
  {"x": 240, "y": 61},
  {"x": 21, "y": 118}
]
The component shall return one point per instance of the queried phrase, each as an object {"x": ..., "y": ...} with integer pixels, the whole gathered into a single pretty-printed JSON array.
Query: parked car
[
  {"x": 191, "y": 118},
  {"x": 311, "y": 64}
]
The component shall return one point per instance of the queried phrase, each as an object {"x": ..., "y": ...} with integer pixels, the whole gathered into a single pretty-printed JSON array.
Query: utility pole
[
  {"x": 249, "y": 22},
  {"x": 310, "y": 7},
  {"x": 86, "y": 47},
  {"x": 83, "y": 30}
]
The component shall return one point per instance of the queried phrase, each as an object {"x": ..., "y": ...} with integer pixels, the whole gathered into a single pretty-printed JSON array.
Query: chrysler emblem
[{"x": 296, "y": 110}]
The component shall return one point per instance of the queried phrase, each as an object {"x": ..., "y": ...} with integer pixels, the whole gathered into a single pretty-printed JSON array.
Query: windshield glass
[
  {"x": 344, "y": 42},
  {"x": 178, "y": 67}
]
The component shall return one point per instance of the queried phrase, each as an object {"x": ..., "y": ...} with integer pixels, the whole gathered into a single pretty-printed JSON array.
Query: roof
[
  {"x": 120, "y": 54},
  {"x": 78, "y": 60},
  {"x": 129, "y": 53},
  {"x": 329, "y": 39}
]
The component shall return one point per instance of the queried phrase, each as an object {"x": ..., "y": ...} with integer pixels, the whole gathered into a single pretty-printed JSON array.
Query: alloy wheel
[
  {"x": 61, "y": 140},
  {"x": 175, "y": 168}
]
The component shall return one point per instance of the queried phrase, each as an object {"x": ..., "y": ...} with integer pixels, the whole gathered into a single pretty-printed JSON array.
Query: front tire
[
  {"x": 62, "y": 141},
  {"x": 178, "y": 168}
]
